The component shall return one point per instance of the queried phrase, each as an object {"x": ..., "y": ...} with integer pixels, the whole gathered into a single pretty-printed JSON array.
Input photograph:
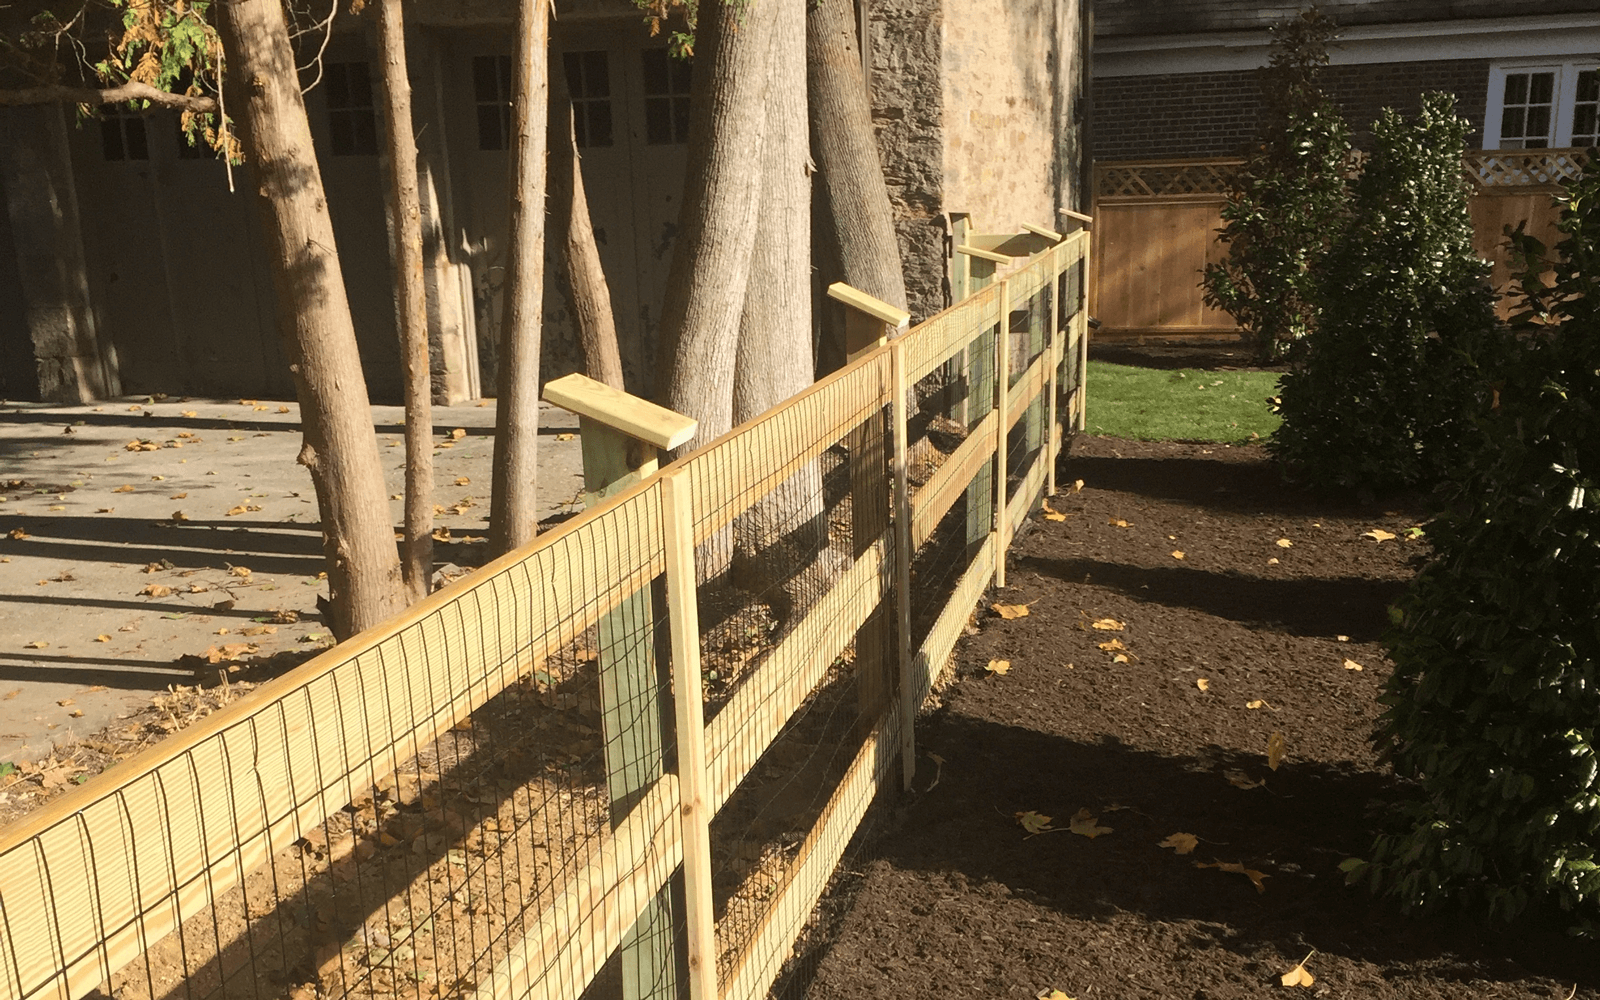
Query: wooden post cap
[
  {"x": 1049, "y": 234},
  {"x": 860, "y": 301},
  {"x": 981, "y": 254},
  {"x": 624, "y": 412},
  {"x": 1087, "y": 220}
]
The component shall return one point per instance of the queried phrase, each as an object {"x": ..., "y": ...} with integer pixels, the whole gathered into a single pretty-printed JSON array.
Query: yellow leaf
[
  {"x": 458, "y": 434},
  {"x": 1120, "y": 658},
  {"x": 58, "y": 507},
  {"x": 1284, "y": 543},
  {"x": 239, "y": 570},
  {"x": 283, "y": 409},
  {"x": 1202, "y": 684},
  {"x": 1255, "y": 703},
  {"x": 259, "y": 630},
  {"x": 462, "y": 480},
  {"x": 1277, "y": 746},
  {"x": 123, "y": 489},
  {"x": 1273, "y": 561},
  {"x": 1377, "y": 535},
  {"x": 239, "y": 509},
  {"x": 1077, "y": 485},
  {"x": 565, "y": 437},
  {"x": 1033, "y": 822},
  {"x": 258, "y": 409},
  {"x": 37, "y": 644},
  {"x": 1010, "y": 611},
  {"x": 1001, "y": 667},
  {"x": 1051, "y": 995},
  {"x": 102, "y": 638},
  {"x": 179, "y": 515},
  {"x": 1181, "y": 843},
  {"x": 1239, "y": 779},
  {"x": 1228, "y": 866},
  {"x": 1341, "y": 638},
  {"x": 1053, "y": 515},
  {"x": 1108, "y": 625},
  {"x": 188, "y": 413},
  {"x": 155, "y": 590},
  {"x": 1117, "y": 522},
  {"x": 1177, "y": 553},
  {"x": 179, "y": 496},
  {"x": 1298, "y": 976},
  {"x": 1085, "y": 825},
  {"x": 1352, "y": 665},
  {"x": 18, "y": 534},
  {"x": 64, "y": 702},
  {"x": 1111, "y": 645}
]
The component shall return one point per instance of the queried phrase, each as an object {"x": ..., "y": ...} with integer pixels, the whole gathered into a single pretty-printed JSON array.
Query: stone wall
[{"x": 1215, "y": 114}]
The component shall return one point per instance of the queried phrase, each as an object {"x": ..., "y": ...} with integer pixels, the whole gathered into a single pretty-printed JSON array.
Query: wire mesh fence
[{"x": 504, "y": 792}]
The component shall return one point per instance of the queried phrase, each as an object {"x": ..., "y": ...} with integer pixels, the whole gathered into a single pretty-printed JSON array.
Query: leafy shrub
[
  {"x": 1289, "y": 199},
  {"x": 1495, "y": 697},
  {"x": 1382, "y": 396}
]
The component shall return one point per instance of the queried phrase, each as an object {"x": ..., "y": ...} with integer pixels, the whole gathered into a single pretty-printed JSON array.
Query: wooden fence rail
[{"x": 146, "y": 855}]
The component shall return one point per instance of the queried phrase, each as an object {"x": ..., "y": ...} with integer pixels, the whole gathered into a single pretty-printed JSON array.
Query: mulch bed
[{"x": 957, "y": 900}]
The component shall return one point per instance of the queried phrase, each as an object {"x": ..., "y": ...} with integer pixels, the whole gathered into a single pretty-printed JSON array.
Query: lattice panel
[
  {"x": 1501, "y": 168},
  {"x": 1156, "y": 180}
]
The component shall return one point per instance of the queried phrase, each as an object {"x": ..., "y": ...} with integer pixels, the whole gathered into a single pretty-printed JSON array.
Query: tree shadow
[{"x": 116, "y": 672}]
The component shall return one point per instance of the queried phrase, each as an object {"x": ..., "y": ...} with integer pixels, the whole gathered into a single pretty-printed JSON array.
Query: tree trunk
[
  {"x": 778, "y": 539},
  {"x": 580, "y": 256},
  {"x": 717, "y": 223},
  {"x": 405, "y": 208},
  {"x": 847, "y": 155},
  {"x": 340, "y": 447},
  {"x": 513, "y": 511}
]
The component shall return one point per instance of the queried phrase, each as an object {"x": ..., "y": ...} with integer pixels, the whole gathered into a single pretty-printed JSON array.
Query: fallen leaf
[
  {"x": 239, "y": 571},
  {"x": 1341, "y": 638},
  {"x": 37, "y": 644},
  {"x": 10, "y": 694},
  {"x": 565, "y": 437},
  {"x": 1120, "y": 658},
  {"x": 1202, "y": 684},
  {"x": 1377, "y": 535},
  {"x": 1277, "y": 746},
  {"x": 179, "y": 515},
  {"x": 18, "y": 533},
  {"x": 1117, "y": 522},
  {"x": 1239, "y": 779},
  {"x": 1108, "y": 625},
  {"x": 462, "y": 480},
  {"x": 283, "y": 409},
  {"x": 179, "y": 496},
  {"x": 1255, "y": 703},
  {"x": 1284, "y": 543},
  {"x": 188, "y": 413},
  {"x": 1077, "y": 485},
  {"x": 1177, "y": 553},
  {"x": 1228, "y": 866},
  {"x": 1010, "y": 611},
  {"x": 64, "y": 702},
  {"x": 58, "y": 507},
  {"x": 1001, "y": 667},
  {"x": 155, "y": 590},
  {"x": 104, "y": 510},
  {"x": 1051, "y": 995},
  {"x": 102, "y": 638},
  {"x": 1034, "y": 823},
  {"x": 123, "y": 489},
  {"x": 1111, "y": 644},
  {"x": 259, "y": 630},
  {"x": 259, "y": 409},
  {"x": 1298, "y": 976},
  {"x": 1050, "y": 513},
  {"x": 458, "y": 434},
  {"x": 1181, "y": 843},
  {"x": 1085, "y": 825},
  {"x": 243, "y": 508},
  {"x": 1352, "y": 665}
]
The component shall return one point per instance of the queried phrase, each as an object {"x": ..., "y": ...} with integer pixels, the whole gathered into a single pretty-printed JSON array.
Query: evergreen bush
[
  {"x": 1495, "y": 697},
  {"x": 1382, "y": 396}
]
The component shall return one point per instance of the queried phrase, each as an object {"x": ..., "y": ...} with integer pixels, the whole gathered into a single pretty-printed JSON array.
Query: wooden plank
[
  {"x": 951, "y": 479},
  {"x": 982, "y": 254},
  {"x": 1049, "y": 234},
  {"x": 935, "y": 650},
  {"x": 635, "y": 417},
  {"x": 579, "y": 930},
  {"x": 937, "y": 339},
  {"x": 758, "y": 965},
  {"x": 100, "y": 874},
  {"x": 1027, "y": 491},
  {"x": 878, "y": 309},
  {"x": 763, "y": 703},
  {"x": 1013, "y": 245},
  {"x": 677, "y": 522},
  {"x": 1087, "y": 220},
  {"x": 902, "y": 571}
]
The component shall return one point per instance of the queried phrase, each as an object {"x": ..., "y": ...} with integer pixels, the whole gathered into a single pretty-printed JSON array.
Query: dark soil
[
  {"x": 1171, "y": 355},
  {"x": 957, "y": 900}
]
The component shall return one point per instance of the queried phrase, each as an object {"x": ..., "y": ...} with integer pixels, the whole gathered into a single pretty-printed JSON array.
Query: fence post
[
  {"x": 902, "y": 567},
  {"x": 1053, "y": 372},
  {"x": 1002, "y": 389},
  {"x": 677, "y": 521},
  {"x": 622, "y": 436},
  {"x": 868, "y": 323}
]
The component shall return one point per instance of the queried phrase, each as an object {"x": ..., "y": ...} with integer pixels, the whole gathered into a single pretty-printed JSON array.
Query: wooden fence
[
  {"x": 459, "y": 802},
  {"x": 1157, "y": 222}
]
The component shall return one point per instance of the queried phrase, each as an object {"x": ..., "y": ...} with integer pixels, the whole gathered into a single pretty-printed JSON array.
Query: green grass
[{"x": 1188, "y": 405}]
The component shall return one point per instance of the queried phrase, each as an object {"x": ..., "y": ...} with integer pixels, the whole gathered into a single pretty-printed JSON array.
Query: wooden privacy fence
[
  {"x": 1157, "y": 224},
  {"x": 625, "y": 758}
]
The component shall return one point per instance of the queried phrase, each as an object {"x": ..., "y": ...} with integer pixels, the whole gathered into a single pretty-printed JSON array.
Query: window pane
[
  {"x": 1583, "y": 120},
  {"x": 1516, "y": 88},
  {"x": 1511, "y": 123},
  {"x": 658, "y": 121},
  {"x": 338, "y": 87},
  {"x": 600, "y": 123},
  {"x": 111, "y": 138},
  {"x": 573, "y": 63},
  {"x": 485, "y": 84},
  {"x": 580, "y": 126},
  {"x": 680, "y": 115},
  {"x": 341, "y": 133},
  {"x": 1589, "y": 85},
  {"x": 138, "y": 142},
  {"x": 489, "y": 134},
  {"x": 360, "y": 86},
  {"x": 655, "y": 71},
  {"x": 682, "y": 72},
  {"x": 1541, "y": 86},
  {"x": 1538, "y": 122},
  {"x": 596, "y": 74},
  {"x": 366, "y": 128}
]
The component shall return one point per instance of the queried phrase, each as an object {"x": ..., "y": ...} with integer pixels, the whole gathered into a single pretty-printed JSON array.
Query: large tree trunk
[
  {"x": 340, "y": 447},
  {"x": 513, "y": 511},
  {"x": 777, "y": 540},
  {"x": 405, "y": 209},
  {"x": 580, "y": 256},
  {"x": 717, "y": 223},
  {"x": 847, "y": 155}
]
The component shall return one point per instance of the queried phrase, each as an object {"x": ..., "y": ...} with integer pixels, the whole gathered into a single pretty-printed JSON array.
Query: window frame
[{"x": 1566, "y": 72}]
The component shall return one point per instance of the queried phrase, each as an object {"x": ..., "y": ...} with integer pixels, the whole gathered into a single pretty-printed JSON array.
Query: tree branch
[{"x": 131, "y": 91}]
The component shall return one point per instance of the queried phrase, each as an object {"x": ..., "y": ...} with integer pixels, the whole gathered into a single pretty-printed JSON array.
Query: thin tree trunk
[
  {"x": 847, "y": 154},
  {"x": 340, "y": 447},
  {"x": 717, "y": 223},
  {"x": 405, "y": 207},
  {"x": 580, "y": 256},
  {"x": 513, "y": 511}
]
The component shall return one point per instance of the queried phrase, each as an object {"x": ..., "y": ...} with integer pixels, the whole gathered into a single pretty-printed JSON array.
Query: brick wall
[{"x": 1215, "y": 114}]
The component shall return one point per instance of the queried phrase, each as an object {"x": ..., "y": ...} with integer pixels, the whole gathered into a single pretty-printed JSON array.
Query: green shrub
[
  {"x": 1495, "y": 696},
  {"x": 1289, "y": 199},
  {"x": 1382, "y": 395}
]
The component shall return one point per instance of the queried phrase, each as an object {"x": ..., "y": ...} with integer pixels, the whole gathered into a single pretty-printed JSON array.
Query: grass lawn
[{"x": 1189, "y": 405}]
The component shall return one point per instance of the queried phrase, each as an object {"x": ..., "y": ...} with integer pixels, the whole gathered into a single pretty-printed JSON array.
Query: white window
[{"x": 1540, "y": 106}]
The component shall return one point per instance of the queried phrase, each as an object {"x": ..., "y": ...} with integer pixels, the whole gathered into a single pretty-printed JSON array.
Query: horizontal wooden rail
[
  {"x": 1027, "y": 492},
  {"x": 935, "y": 650},
  {"x": 936, "y": 341},
  {"x": 950, "y": 481},
  {"x": 1026, "y": 390}
]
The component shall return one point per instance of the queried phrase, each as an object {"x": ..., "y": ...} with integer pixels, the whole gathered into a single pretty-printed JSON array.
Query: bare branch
[{"x": 131, "y": 91}]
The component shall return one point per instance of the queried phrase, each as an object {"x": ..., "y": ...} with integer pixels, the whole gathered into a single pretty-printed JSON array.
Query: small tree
[
  {"x": 1383, "y": 395},
  {"x": 1495, "y": 697},
  {"x": 1290, "y": 198}
]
